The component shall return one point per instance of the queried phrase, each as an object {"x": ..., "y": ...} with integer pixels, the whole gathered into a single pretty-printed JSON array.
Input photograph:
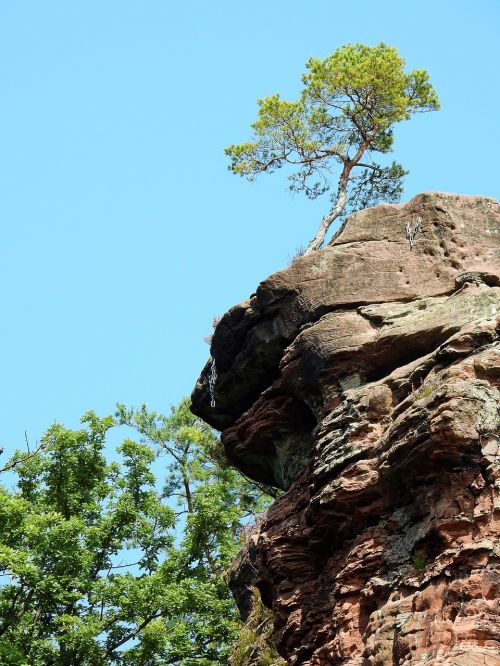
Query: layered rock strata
[{"x": 364, "y": 381}]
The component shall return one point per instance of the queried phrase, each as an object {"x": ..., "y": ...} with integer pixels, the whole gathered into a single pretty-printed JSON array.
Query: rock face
[{"x": 364, "y": 381}]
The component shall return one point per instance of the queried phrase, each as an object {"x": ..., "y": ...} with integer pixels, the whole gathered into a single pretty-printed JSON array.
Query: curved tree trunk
[{"x": 326, "y": 222}]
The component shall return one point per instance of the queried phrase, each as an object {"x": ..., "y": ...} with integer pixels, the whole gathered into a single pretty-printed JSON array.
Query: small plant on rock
[
  {"x": 419, "y": 559},
  {"x": 255, "y": 646}
]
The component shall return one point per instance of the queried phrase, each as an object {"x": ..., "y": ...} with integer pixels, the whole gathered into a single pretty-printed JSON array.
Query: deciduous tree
[{"x": 99, "y": 566}]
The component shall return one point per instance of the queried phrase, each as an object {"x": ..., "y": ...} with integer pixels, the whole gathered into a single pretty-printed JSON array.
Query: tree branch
[
  {"x": 132, "y": 634},
  {"x": 20, "y": 461}
]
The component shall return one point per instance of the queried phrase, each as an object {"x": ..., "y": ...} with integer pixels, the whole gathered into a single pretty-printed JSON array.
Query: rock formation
[{"x": 364, "y": 381}]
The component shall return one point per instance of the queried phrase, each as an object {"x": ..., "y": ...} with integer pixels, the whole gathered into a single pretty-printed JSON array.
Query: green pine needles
[{"x": 330, "y": 136}]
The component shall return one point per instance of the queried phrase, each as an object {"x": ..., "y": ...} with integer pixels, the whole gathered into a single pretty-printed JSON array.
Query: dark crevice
[
  {"x": 361, "y": 241},
  {"x": 390, "y": 356},
  {"x": 430, "y": 546},
  {"x": 278, "y": 453},
  {"x": 266, "y": 593}
]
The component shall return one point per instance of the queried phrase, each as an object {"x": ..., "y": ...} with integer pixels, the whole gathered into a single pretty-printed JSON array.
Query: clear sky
[{"x": 123, "y": 233}]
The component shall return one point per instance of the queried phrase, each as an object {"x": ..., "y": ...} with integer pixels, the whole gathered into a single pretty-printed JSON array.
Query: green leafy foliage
[
  {"x": 419, "y": 559},
  {"x": 254, "y": 646},
  {"x": 97, "y": 566},
  {"x": 345, "y": 114}
]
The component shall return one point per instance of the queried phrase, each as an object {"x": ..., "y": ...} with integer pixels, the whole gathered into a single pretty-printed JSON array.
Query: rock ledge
[{"x": 364, "y": 380}]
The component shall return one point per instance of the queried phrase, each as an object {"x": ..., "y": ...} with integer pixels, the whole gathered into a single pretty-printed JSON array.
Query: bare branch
[{"x": 23, "y": 459}]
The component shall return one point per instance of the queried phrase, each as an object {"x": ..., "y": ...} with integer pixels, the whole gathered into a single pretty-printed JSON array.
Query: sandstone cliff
[{"x": 364, "y": 381}]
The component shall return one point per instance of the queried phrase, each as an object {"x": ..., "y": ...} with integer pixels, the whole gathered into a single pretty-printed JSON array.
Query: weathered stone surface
[
  {"x": 365, "y": 381},
  {"x": 368, "y": 262}
]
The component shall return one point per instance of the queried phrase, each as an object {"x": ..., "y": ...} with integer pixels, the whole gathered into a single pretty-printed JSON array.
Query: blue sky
[{"x": 123, "y": 233}]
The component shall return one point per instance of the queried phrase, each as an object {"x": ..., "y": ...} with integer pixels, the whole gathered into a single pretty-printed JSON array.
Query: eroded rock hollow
[{"x": 364, "y": 381}]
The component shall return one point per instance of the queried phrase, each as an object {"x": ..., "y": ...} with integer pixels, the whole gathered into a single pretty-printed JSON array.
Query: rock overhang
[
  {"x": 346, "y": 312},
  {"x": 364, "y": 380}
]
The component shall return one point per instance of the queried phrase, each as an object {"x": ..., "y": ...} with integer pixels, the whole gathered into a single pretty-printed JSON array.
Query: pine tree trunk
[{"x": 326, "y": 222}]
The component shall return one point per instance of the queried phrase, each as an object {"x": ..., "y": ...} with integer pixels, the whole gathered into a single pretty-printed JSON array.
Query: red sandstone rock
[{"x": 365, "y": 381}]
